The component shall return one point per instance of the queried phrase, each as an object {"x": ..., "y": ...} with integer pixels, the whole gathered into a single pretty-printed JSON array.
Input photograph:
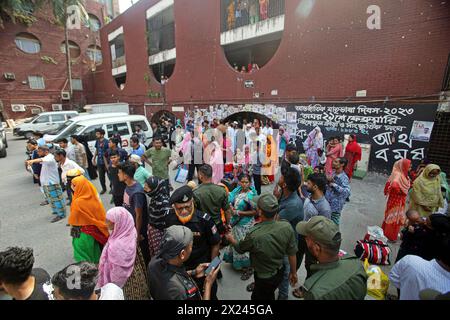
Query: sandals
[
  {"x": 299, "y": 293},
  {"x": 247, "y": 274}
]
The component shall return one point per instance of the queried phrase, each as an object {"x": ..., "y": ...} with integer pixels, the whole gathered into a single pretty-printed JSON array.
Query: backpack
[{"x": 375, "y": 251}]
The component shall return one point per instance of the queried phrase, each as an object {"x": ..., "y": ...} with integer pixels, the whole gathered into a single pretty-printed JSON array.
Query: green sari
[
  {"x": 242, "y": 225},
  {"x": 86, "y": 248}
]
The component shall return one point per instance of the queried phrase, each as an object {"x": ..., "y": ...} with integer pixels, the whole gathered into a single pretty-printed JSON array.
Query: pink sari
[
  {"x": 333, "y": 153},
  {"x": 217, "y": 163}
]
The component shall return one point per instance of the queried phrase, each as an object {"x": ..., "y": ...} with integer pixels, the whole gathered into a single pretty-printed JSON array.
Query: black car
[{"x": 3, "y": 142}]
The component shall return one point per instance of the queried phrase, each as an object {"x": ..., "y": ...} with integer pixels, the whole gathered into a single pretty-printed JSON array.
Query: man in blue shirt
[
  {"x": 291, "y": 210},
  {"x": 338, "y": 189},
  {"x": 101, "y": 147},
  {"x": 137, "y": 147}
]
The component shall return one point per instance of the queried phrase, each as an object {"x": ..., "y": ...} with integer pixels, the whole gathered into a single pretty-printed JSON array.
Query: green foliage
[
  {"x": 48, "y": 59},
  {"x": 20, "y": 11}
]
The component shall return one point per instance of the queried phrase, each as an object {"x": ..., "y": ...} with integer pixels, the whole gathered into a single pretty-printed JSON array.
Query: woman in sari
[
  {"x": 216, "y": 161},
  {"x": 283, "y": 141},
  {"x": 396, "y": 189},
  {"x": 313, "y": 143},
  {"x": 242, "y": 221},
  {"x": 353, "y": 154},
  {"x": 334, "y": 150},
  {"x": 158, "y": 209},
  {"x": 119, "y": 253},
  {"x": 231, "y": 15},
  {"x": 87, "y": 218},
  {"x": 122, "y": 262},
  {"x": 271, "y": 160},
  {"x": 445, "y": 189},
  {"x": 426, "y": 196}
]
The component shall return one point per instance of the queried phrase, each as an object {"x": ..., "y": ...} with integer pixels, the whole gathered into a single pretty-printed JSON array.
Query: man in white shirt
[
  {"x": 66, "y": 164},
  {"x": 50, "y": 182},
  {"x": 412, "y": 274}
]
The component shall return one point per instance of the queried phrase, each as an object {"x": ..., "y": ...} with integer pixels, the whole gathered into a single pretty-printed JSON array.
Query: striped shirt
[{"x": 413, "y": 274}]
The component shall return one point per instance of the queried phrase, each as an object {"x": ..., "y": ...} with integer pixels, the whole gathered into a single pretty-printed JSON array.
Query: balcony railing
[
  {"x": 240, "y": 13},
  {"x": 120, "y": 61}
]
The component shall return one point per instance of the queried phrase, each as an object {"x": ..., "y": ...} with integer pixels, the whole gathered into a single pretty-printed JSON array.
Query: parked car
[
  {"x": 43, "y": 122},
  {"x": 124, "y": 126},
  {"x": 3, "y": 142},
  {"x": 59, "y": 132}
]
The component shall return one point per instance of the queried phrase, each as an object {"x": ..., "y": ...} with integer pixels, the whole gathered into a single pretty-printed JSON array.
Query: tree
[
  {"x": 61, "y": 15},
  {"x": 17, "y": 11}
]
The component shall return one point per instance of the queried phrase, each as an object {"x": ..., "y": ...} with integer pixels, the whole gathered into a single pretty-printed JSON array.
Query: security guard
[
  {"x": 268, "y": 243},
  {"x": 206, "y": 237},
  {"x": 332, "y": 278},
  {"x": 168, "y": 278}
]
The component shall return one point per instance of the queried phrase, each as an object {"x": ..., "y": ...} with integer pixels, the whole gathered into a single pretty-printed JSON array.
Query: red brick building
[
  {"x": 33, "y": 64},
  {"x": 321, "y": 60}
]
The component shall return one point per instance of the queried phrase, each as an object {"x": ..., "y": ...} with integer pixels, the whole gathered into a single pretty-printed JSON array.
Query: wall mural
[{"x": 386, "y": 127}]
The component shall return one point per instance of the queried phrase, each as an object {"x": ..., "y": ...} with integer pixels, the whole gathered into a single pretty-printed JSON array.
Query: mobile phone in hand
[{"x": 213, "y": 265}]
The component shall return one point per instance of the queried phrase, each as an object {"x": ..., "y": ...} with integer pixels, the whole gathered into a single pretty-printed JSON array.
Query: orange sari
[{"x": 87, "y": 208}]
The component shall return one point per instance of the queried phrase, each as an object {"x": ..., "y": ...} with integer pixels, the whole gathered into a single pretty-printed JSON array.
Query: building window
[
  {"x": 94, "y": 53},
  {"x": 28, "y": 43},
  {"x": 74, "y": 49},
  {"x": 161, "y": 31},
  {"x": 36, "y": 82},
  {"x": 94, "y": 23},
  {"x": 118, "y": 51},
  {"x": 77, "y": 84}
]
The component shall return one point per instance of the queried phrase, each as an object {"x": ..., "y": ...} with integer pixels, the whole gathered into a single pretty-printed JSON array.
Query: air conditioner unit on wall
[
  {"x": 65, "y": 95},
  {"x": 9, "y": 76},
  {"x": 57, "y": 107},
  {"x": 36, "y": 111},
  {"x": 18, "y": 107}
]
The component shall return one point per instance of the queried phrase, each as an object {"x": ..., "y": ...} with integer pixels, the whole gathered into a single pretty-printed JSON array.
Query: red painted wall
[
  {"x": 23, "y": 64},
  {"x": 329, "y": 55}
]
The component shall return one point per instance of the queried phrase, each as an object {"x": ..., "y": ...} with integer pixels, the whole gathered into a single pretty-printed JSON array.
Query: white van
[
  {"x": 124, "y": 126},
  {"x": 42, "y": 122},
  {"x": 56, "y": 134}
]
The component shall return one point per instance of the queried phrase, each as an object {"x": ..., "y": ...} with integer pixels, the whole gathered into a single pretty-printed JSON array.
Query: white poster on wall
[{"x": 421, "y": 130}]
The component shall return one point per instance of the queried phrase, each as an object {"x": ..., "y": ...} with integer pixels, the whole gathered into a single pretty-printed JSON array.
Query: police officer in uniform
[
  {"x": 168, "y": 278},
  {"x": 333, "y": 278},
  {"x": 268, "y": 243},
  {"x": 206, "y": 237}
]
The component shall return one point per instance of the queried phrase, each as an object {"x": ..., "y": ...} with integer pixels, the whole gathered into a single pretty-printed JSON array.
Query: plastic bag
[
  {"x": 377, "y": 282},
  {"x": 376, "y": 233}
]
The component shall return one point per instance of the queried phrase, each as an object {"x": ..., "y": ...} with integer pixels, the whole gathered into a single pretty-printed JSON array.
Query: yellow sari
[{"x": 426, "y": 196}]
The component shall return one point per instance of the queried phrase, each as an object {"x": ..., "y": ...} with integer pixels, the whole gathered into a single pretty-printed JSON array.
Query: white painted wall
[
  {"x": 115, "y": 34},
  {"x": 261, "y": 28},
  {"x": 119, "y": 70},
  {"x": 159, "y": 7},
  {"x": 162, "y": 56}
]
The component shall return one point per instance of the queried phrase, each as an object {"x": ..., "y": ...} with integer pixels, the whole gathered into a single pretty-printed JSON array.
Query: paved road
[{"x": 24, "y": 223}]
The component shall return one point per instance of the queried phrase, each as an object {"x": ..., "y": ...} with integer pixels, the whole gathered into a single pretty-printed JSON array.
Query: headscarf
[
  {"x": 355, "y": 148},
  {"x": 444, "y": 185},
  {"x": 158, "y": 205},
  {"x": 87, "y": 208},
  {"x": 399, "y": 175},
  {"x": 119, "y": 253},
  {"x": 314, "y": 139},
  {"x": 427, "y": 191}
]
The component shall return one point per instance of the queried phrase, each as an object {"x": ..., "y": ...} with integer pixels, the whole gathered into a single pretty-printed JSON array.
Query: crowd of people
[{"x": 160, "y": 242}]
